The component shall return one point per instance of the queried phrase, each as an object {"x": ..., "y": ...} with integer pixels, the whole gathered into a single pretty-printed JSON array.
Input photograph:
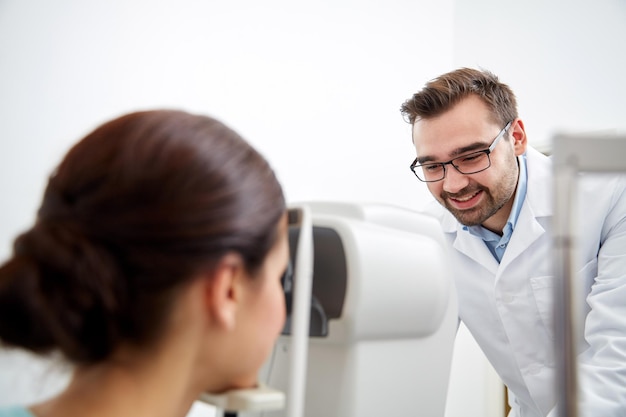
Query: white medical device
[{"x": 374, "y": 334}]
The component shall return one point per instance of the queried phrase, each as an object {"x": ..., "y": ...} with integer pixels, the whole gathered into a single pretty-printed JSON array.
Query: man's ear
[
  {"x": 223, "y": 290},
  {"x": 520, "y": 141}
]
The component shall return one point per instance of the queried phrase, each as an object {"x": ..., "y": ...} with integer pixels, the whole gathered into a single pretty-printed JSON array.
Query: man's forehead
[{"x": 438, "y": 141}]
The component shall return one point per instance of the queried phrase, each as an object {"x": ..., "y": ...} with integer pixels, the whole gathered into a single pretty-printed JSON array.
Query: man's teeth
[{"x": 466, "y": 198}]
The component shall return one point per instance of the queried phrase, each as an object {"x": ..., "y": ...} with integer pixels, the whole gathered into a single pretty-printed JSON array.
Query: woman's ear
[{"x": 223, "y": 290}]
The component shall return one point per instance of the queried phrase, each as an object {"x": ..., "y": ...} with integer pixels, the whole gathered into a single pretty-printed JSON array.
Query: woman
[{"x": 154, "y": 267}]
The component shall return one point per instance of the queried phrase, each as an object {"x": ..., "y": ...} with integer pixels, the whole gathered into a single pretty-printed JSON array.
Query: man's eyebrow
[{"x": 476, "y": 146}]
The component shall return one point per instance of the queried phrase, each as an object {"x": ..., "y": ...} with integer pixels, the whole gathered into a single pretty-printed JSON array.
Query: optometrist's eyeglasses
[{"x": 471, "y": 163}]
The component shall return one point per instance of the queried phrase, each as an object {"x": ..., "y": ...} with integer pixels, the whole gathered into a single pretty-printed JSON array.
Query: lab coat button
[{"x": 508, "y": 298}]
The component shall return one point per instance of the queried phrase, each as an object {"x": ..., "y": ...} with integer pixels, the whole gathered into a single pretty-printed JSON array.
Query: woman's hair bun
[{"x": 59, "y": 291}]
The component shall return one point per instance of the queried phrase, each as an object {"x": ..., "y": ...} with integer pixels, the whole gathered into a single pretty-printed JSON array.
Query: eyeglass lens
[{"x": 466, "y": 164}]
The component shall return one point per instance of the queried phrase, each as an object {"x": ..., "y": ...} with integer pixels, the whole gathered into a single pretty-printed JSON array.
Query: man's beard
[{"x": 476, "y": 215}]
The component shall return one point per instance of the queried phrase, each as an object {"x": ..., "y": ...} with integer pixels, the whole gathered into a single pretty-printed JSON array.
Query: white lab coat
[{"x": 508, "y": 306}]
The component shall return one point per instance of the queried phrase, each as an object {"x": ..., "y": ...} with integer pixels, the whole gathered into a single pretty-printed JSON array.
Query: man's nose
[{"x": 454, "y": 180}]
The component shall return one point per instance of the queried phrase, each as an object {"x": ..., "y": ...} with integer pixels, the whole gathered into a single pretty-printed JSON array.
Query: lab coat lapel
[
  {"x": 523, "y": 237},
  {"x": 536, "y": 209},
  {"x": 475, "y": 248},
  {"x": 463, "y": 242}
]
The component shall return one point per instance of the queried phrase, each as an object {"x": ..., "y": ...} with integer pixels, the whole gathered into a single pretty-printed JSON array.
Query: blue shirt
[
  {"x": 497, "y": 244},
  {"x": 15, "y": 411}
]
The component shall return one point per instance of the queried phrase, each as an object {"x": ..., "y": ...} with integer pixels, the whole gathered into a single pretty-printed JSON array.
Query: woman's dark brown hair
[{"x": 133, "y": 211}]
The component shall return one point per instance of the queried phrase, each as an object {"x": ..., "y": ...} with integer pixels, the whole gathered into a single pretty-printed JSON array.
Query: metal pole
[
  {"x": 599, "y": 152},
  {"x": 564, "y": 314},
  {"x": 300, "y": 317}
]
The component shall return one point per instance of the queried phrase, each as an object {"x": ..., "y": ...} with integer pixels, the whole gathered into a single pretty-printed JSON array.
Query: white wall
[
  {"x": 564, "y": 59},
  {"x": 315, "y": 86}
]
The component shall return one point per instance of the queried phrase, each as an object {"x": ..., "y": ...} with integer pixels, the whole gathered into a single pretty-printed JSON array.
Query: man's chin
[{"x": 469, "y": 217}]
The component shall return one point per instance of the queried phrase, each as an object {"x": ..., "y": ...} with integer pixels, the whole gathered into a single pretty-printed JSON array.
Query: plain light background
[{"x": 315, "y": 86}]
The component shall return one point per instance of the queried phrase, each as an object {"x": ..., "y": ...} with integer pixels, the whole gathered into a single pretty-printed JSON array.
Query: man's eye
[
  {"x": 473, "y": 157},
  {"x": 431, "y": 168}
]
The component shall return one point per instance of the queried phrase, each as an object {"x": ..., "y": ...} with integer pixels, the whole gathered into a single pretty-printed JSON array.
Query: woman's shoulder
[{"x": 15, "y": 411}]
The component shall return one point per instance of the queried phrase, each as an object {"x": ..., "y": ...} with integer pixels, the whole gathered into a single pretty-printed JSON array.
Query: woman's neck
[
  {"x": 162, "y": 381},
  {"x": 116, "y": 390}
]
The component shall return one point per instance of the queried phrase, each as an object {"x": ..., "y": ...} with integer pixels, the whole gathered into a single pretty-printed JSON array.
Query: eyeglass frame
[{"x": 487, "y": 152}]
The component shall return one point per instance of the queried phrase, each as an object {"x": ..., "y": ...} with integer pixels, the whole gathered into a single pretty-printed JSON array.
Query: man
[{"x": 494, "y": 193}]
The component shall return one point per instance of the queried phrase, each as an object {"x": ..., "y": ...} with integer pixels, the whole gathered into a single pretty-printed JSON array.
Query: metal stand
[{"x": 573, "y": 154}]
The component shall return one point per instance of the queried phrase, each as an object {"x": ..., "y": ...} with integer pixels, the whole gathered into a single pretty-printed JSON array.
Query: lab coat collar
[{"x": 540, "y": 183}]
